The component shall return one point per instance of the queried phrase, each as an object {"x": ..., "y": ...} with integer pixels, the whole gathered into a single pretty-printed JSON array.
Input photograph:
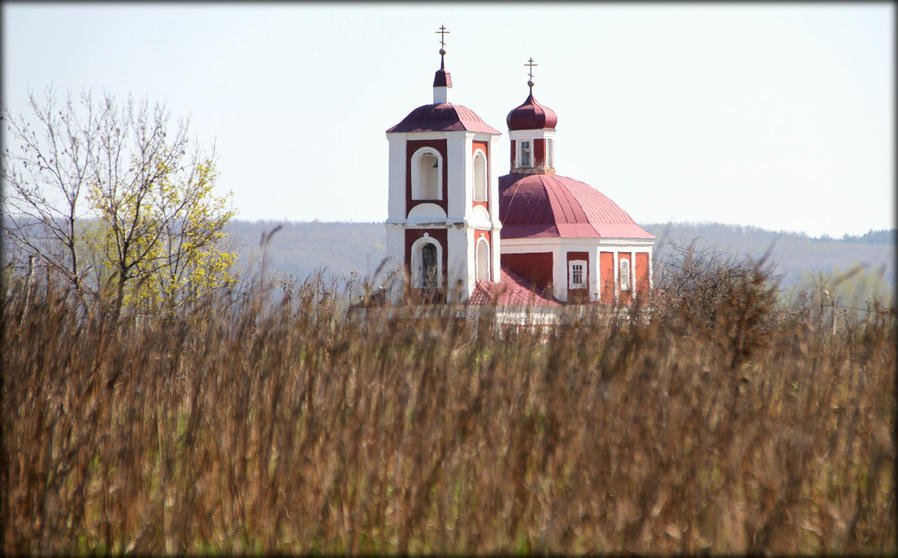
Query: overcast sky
[{"x": 777, "y": 116}]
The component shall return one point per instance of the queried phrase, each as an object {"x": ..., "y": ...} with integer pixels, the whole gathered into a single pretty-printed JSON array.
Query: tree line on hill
[{"x": 337, "y": 249}]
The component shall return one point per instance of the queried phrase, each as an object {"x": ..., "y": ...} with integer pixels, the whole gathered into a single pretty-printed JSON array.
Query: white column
[
  {"x": 593, "y": 275},
  {"x": 559, "y": 273},
  {"x": 459, "y": 260},
  {"x": 495, "y": 224},
  {"x": 458, "y": 150},
  {"x": 396, "y": 177},
  {"x": 651, "y": 271}
]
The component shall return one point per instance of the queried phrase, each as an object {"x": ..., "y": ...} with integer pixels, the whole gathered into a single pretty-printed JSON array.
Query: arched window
[
  {"x": 480, "y": 177},
  {"x": 482, "y": 261},
  {"x": 427, "y": 264},
  {"x": 427, "y": 175}
]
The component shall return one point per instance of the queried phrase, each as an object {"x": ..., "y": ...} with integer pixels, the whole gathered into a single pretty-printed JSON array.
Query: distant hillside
[
  {"x": 339, "y": 249},
  {"x": 792, "y": 252},
  {"x": 300, "y": 249}
]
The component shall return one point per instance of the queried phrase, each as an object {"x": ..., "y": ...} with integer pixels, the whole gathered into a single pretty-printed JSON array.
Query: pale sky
[{"x": 773, "y": 115}]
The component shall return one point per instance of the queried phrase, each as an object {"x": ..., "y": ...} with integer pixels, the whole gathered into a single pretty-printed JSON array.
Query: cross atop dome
[
  {"x": 531, "y": 129},
  {"x": 531, "y": 115},
  {"x": 531, "y": 64}
]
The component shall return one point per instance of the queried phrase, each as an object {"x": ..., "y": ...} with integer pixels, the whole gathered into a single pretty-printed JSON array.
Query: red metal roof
[
  {"x": 512, "y": 290},
  {"x": 548, "y": 205},
  {"x": 442, "y": 79},
  {"x": 444, "y": 117},
  {"x": 531, "y": 116}
]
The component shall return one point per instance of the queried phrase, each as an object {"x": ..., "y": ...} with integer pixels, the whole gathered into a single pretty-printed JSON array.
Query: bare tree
[
  {"x": 45, "y": 176},
  {"x": 131, "y": 194}
]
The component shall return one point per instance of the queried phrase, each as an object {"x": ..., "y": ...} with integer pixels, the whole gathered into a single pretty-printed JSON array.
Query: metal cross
[
  {"x": 531, "y": 64},
  {"x": 442, "y": 33}
]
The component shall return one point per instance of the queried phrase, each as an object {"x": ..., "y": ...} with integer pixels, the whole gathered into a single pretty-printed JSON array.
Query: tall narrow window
[
  {"x": 482, "y": 272},
  {"x": 550, "y": 153},
  {"x": 429, "y": 266},
  {"x": 480, "y": 178},
  {"x": 625, "y": 275},
  {"x": 525, "y": 153}
]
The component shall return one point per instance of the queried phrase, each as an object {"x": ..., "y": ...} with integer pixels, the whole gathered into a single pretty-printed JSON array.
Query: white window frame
[
  {"x": 418, "y": 261},
  {"x": 550, "y": 153},
  {"x": 482, "y": 249},
  {"x": 570, "y": 274},
  {"x": 624, "y": 273},
  {"x": 528, "y": 161},
  {"x": 417, "y": 194},
  {"x": 481, "y": 194}
]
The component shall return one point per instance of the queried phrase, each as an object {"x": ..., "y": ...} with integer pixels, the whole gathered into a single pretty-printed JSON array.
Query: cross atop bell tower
[
  {"x": 443, "y": 205},
  {"x": 442, "y": 81},
  {"x": 442, "y": 33}
]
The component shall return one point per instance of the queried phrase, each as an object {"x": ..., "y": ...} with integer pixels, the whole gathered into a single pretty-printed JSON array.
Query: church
[{"x": 533, "y": 237}]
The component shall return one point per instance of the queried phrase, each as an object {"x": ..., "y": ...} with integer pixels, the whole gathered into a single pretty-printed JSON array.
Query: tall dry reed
[{"x": 709, "y": 423}]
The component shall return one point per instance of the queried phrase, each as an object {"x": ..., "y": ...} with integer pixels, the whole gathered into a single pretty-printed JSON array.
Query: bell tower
[{"x": 443, "y": 210}]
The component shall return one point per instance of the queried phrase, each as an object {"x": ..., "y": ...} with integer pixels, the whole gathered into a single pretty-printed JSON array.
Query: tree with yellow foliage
[{"x": 115, "y": 201}]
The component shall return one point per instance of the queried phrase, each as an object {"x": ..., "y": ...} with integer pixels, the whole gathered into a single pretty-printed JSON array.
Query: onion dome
[
  {"x": 549, "y": 205},
  {"x": 531, "y": 116}
]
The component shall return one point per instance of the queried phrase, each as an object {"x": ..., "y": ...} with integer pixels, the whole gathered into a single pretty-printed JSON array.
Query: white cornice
[{"x": 430, "y": 222}]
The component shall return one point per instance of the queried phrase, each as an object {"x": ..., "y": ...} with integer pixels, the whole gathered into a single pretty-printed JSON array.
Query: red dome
[
  {"x": 444, "y": 117},
  {"x": 531, "y": 116},
  {"x": 548, "y": 205}
]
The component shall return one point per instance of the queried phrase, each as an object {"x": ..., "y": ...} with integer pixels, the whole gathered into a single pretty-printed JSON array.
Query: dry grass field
[{"x": 718, "y": 421}]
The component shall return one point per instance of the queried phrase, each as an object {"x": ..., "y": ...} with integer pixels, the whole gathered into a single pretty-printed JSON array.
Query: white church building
[{"x": 532, "y": 238}]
